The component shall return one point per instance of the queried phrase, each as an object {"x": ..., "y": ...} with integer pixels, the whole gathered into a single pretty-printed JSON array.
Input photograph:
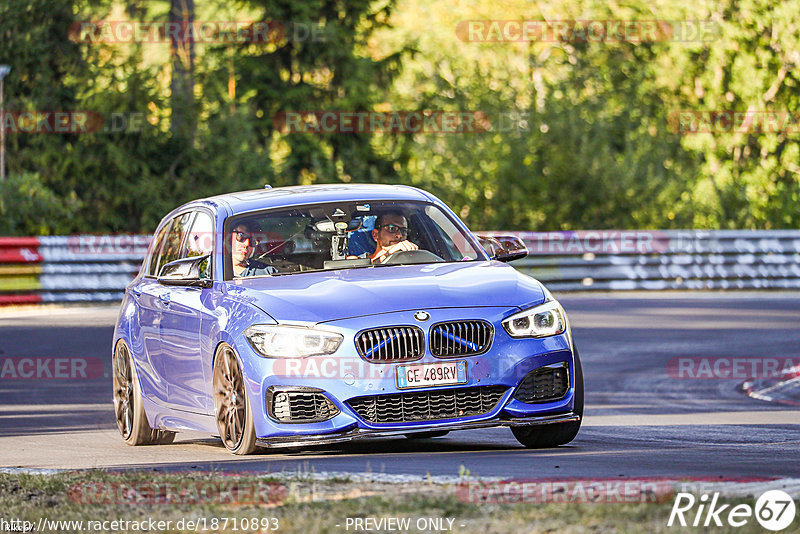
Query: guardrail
[
  {"x": 93, "y": 268},
  {"x": 68, "y": 268},
  {"x": 656, "y": 260}
]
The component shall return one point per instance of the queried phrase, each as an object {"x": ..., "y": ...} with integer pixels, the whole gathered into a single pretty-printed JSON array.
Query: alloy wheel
[
  {"x": 229, "y": 399},
  {"x": 123, "y": 391}
]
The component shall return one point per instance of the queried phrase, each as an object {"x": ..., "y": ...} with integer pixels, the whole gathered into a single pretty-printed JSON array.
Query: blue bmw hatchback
[{"x": 322, "y": 314}]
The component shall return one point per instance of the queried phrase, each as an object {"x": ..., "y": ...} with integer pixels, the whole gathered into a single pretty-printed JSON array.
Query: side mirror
[
  {"x": 504, "y": 248},
  {"x": 185, "y": 272},
  {"x": 490, "y": 245}
]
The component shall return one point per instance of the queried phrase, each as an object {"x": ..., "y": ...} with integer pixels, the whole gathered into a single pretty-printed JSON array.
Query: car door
[
  {"x": 181, "y": 322},
  {"x": 147, "y": 341}
]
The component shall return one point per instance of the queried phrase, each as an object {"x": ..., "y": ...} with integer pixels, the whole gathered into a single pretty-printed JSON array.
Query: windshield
[{"x": 344, "y": 236}]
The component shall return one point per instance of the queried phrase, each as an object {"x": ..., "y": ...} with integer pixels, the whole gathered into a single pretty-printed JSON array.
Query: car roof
[{"x": 259, "y": 199}]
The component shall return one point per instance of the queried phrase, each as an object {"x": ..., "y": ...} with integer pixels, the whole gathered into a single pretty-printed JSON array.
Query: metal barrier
[
  {"x": 84, "y": 268},
  {"x": 92, "y": 268},
  {"x": 655, "y": 259}
]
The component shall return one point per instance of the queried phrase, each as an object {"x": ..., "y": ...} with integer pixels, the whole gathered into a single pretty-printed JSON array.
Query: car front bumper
[{"x": 505, "y": 364}]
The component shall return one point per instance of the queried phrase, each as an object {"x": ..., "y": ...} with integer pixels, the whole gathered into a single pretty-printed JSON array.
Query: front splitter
[{"x": 362, "y": 433}]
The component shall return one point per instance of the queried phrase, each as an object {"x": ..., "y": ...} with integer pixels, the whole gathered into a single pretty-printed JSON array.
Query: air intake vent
[
  {"x": 301, "y": 405},
  {"x": 461, "y": 338},
  {"x": 544, "y": 384},
  {"x": 391, "y": 344},
  {"x": 428, "y": 405}
]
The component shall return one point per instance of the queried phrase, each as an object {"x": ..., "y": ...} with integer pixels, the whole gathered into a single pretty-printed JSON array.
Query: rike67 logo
[{"x": 774, "y": 510}]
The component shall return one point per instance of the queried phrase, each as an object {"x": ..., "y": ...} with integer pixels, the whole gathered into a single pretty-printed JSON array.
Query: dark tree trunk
[{"x": 181, "y": 16}]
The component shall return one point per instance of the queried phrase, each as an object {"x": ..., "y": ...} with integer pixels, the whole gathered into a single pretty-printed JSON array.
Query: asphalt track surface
[{"x": 639, "y": 421}]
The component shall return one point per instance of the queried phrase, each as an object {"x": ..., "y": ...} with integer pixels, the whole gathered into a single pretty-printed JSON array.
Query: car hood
[{"x": 332, "y": 295}]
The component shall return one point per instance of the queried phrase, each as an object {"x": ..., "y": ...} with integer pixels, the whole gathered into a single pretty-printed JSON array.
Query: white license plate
[{"x": 431, "y": 374}]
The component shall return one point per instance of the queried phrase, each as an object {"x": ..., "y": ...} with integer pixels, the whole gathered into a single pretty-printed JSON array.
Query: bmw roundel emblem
[{"x": 422, "y": 316}]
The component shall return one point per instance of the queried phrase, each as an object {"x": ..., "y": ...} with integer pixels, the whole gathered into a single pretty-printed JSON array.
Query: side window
[
  {"x": 449, "y": 236},
  {"x": 172, "y": 245},
  {"x": 200, "y": 241},
  {"x": 201, "y": 237},
  {"x": 155, "y": 253}
]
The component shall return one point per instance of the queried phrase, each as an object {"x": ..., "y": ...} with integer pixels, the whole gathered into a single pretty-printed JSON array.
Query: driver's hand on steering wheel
[{"x": 384, "y": 253}]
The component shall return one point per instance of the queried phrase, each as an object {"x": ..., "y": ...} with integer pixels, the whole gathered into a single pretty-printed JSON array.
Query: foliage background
[{"x": 581, "y": 133}]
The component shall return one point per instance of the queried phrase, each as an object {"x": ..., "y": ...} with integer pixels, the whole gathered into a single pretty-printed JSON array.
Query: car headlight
[
  {"x": 280, "y": 341},
  {"x": 547, "y": 319}
]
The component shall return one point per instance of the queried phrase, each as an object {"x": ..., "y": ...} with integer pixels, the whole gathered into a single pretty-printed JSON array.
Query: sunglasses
[
  {"x": 241, "y": 237},
  {"x": 395, "y": 229}
]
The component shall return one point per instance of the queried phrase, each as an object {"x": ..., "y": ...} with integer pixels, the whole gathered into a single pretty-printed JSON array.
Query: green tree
[
  {"x": 318, "y": 64},
  {"x": 750, "y": 178}
]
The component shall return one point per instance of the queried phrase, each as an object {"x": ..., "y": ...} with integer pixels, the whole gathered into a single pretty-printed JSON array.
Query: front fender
[{"x": 225, "y": 321}]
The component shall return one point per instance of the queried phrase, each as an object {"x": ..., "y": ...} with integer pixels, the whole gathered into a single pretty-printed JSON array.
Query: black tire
[
  {"x": 427, "y": 435},
  {"x": 232, "y": 408},
  {"x": 546, "y": 436},
  {"x": 128, "y": 408}
]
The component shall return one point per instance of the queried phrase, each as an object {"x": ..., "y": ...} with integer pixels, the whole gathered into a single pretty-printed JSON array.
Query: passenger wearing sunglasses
[
  {"x": 390, "y": 233},
  {"x": 243, "y": 244}
]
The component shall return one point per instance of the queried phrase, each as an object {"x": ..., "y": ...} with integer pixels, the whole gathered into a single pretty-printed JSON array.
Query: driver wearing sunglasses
[
  {"x": 243, "y": 244},
  {"x": 390, "y": 233}
]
